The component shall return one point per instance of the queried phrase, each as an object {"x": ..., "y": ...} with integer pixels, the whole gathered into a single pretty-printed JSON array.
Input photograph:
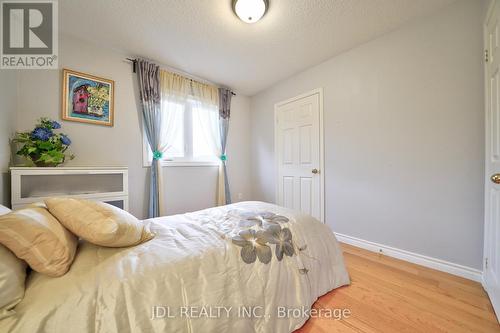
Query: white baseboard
[{"x": 415, "y": 258}]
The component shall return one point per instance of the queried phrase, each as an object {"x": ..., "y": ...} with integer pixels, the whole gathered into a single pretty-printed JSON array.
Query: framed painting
[{"x": 87, "y": 98}]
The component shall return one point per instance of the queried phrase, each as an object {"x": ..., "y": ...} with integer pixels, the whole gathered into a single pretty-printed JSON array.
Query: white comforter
[{"x": 189, "y": 278}]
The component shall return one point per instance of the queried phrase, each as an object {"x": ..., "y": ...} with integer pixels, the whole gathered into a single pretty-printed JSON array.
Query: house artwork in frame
[{"x": 87, "y": 98}]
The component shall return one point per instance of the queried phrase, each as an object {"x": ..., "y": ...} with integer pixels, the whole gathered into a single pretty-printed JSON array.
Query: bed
[{"x": 203, "y": 272}]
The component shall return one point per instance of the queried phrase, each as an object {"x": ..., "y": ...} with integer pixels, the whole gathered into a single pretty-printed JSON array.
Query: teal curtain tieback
[
  {"x": 157, "y": 155},
  {"x": 223, "y": 157}
]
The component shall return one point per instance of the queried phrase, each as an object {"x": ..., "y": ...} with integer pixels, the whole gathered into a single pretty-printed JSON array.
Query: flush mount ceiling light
[{"x": 250, "y": 11}]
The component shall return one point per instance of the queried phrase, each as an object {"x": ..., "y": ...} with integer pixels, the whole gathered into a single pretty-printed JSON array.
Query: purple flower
[
  {"x": 55, "y": 124},
  {"x": 41, "y": 133},
  {"x": 65, "y": 140}
]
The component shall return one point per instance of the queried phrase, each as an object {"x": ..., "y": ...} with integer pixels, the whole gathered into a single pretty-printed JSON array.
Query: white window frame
[{"x": 189, "y": 161}]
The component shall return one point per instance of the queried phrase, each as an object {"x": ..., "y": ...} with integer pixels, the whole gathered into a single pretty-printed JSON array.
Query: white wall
[
  {"x": 8, "y": 106},
  {"x": 404, "y": 136},
  {"x": 187, "y": 189}
]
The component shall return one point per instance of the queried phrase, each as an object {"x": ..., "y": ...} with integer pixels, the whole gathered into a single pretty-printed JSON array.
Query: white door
[
  {"x": 492, "y": 181},
  {"x": 298, "y": 144}
]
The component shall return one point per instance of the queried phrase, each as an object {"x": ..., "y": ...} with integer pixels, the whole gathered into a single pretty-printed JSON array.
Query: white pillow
[{"x": 12, "y": 277}]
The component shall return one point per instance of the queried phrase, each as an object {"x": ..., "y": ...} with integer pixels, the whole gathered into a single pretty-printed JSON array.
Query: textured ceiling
[{"x": 204, "y": 37}]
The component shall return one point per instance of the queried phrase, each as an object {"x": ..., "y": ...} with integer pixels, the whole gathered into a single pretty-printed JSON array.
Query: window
[{"x": 188, "y": 123}]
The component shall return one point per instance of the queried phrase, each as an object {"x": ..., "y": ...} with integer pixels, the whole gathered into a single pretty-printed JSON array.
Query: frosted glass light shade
[{"x": 250, "y": 11}]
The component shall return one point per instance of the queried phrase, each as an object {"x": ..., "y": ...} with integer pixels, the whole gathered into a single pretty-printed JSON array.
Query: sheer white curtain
[
  {"x": 207, "y": 116},
  {"x": 172, "y": 114},
  {"x": 178, "y": 92},
  {"x": 173, "y": 108}
]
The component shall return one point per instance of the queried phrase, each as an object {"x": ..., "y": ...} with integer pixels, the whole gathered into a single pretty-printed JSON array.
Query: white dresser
[{"x": 107, "y": 184}]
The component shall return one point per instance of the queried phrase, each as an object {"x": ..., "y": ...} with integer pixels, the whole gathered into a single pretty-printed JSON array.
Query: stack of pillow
[{"x": 45, "y": 238}]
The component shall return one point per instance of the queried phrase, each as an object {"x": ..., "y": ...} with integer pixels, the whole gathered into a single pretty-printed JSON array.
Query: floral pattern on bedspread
[
  {"x": 258, "y": 233},
  {"x": 256, "y": 243}
]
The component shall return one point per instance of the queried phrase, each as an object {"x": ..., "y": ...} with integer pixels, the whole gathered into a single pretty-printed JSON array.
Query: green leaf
[
  {"x": 22, "y": 137},
  {"x": 44, "y": 157},
  {"x": 51, "y": 157},
  {"x": 46, "y": 145},
  {"x": 56, "y": 154}
]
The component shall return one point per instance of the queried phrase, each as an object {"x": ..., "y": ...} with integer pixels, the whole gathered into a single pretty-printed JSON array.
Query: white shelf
[
  {"x": 69, "y": 170},
  {"x": 107, "y": 184},
  {"x": 77, "y": 196}
]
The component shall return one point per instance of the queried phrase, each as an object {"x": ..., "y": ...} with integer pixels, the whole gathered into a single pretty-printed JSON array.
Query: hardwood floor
[{"x": 389, "y": 295}]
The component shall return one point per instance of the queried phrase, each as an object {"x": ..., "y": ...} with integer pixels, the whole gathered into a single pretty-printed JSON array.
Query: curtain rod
[{"x": 134, "y": 69}]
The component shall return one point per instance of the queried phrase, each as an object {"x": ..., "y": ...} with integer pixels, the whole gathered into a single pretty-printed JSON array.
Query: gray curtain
[
  {"x": 225, "y": 96},
  {"x": 149, "y": 87}
]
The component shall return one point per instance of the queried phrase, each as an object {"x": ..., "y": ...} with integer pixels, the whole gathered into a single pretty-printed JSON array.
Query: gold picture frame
[{"x": 87, "y": 98}]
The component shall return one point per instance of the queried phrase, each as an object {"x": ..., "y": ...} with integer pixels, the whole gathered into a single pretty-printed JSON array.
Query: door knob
[
  {"x": 315, "y": 171},
  {"x": 495, "y": 178}
]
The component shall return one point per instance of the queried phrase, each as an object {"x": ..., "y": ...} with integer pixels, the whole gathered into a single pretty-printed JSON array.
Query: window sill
[{"x": 186, "y": 164}]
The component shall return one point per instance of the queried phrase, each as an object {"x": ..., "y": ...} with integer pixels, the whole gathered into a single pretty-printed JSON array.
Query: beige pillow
[
  {"x": 38, "y": 238},
  {"x": 99, "y": 223},
  {"x": 12, "y": 276}
]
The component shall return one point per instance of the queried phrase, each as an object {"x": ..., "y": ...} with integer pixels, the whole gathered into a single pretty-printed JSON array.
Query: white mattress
[{"x": 191, "y": 275}]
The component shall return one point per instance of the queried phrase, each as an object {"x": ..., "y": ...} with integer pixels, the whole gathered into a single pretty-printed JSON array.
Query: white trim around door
[
  {"x": 491, "y": 252},
  {"x": 319, "y": 92}
]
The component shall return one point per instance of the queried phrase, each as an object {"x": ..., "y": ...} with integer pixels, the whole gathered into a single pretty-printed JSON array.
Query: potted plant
[{"x": 42, "y": 146}]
